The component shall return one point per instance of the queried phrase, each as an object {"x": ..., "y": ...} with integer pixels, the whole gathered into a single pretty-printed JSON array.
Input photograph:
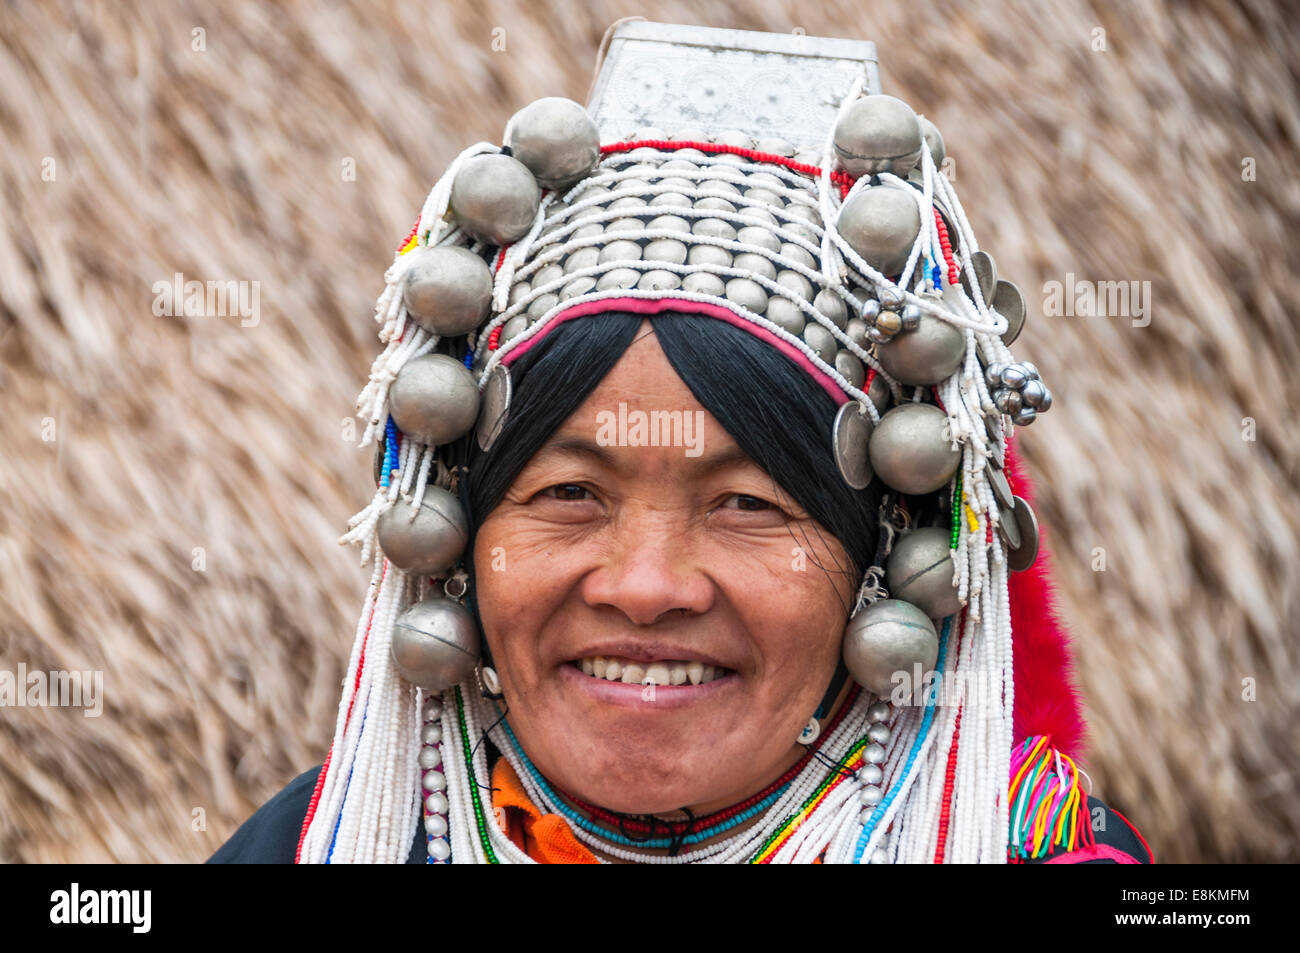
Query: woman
[{"x": 695, "y": 523}]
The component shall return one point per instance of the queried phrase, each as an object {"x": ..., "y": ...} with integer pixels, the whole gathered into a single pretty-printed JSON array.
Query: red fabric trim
[
  {"x": 1047, "y": 702},
  {"x": 1136, "y": 833}
]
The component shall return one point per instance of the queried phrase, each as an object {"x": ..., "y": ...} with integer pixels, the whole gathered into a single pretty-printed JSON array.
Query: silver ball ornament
[
  {"x": 878, "y": 134},
  {"x": 495, "y": 198},
  {"x": 920, "y": 570},
  {"x": 885, "y": 638},
  {"x": 556, "y": 139},
  {"x": 911, "y": 449},
  {"x": 927, "y": 355},
  {"x": 434, "y": 398},
  {"x": 881, "y": 225},
  {"x": 430, "y": 543},
  {"x": 448, "y": 290},
  {"x": 435, "y": 645}
]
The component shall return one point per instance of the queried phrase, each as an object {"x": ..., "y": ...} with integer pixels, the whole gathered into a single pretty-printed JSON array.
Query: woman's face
[{"x": 673, "y": 562}]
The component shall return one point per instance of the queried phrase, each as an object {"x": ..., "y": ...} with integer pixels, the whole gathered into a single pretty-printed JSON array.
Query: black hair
[{"x": 774, "y": 410}]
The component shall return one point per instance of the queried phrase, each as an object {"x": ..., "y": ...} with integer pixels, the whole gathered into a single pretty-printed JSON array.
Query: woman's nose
[{"x": 650, "y": 569}]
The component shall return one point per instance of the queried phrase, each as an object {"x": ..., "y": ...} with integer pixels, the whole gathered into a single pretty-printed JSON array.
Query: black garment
[{"x": 270, "y": 836}]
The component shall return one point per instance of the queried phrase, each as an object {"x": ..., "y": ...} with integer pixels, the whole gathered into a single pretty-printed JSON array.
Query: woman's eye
[
  {"x": 566, "y": 491},
  {"x": 743, "y": 502}
]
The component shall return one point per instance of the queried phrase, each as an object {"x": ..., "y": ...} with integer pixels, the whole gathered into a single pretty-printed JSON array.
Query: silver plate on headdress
[
  {"x": 496, "y": 403},
  {"x": 851, "y": 435},
  {"x": 1001, "y": 487},
  {"x": 670, "y": 75},
  {"x": 1022, "y": 556}
]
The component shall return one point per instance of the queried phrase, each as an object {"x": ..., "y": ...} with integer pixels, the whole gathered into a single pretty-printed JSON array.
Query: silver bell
[
  {"x": 911, "y": 449},
  {"x": 435, "y": 644},
  {"x": 430, "y": 543},
  {"x": 448, "y": 290},
  {"x": 434, "y": 398},
  {"x": 920, "y": 570},
  {"x": 495, "y": 198},
  {"x": 889, "y": 637},
  {"x": 1007, "y": 401},
  {"x": 878, "y": 134},
  {"x": 925, "y": 356},
  {"x": 881, "y": 225},
  {"x": 556, "y": 139}
]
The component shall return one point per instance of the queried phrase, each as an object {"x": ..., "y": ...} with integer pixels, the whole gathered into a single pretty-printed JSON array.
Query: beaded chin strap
[{"x": 858, "y": 263}]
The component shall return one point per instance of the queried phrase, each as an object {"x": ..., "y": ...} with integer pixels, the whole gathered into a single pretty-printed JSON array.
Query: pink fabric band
[
  {"x": 655, "y": 305},
  {"x": 1095, "y": 852}
]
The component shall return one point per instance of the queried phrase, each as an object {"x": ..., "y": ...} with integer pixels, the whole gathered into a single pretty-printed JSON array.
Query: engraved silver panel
[{"x": 766, "y": 84}]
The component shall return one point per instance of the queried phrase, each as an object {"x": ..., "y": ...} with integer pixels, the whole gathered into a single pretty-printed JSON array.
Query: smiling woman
[
  {"x": 718, "y": 581},
  {"x": 694, "y": 485}
]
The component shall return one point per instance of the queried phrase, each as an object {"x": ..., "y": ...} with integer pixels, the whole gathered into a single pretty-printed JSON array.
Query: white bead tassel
[
  {"x": 372, "y": 755},
  {"x": 372, "y": 717},
  {"x": 831, "y": 264},
  {"x": 505, "y": 277},
  {"x": 312, "y": 851}
]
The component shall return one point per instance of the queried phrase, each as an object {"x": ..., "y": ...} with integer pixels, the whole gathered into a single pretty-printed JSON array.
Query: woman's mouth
[{"x": 667, "y": 672}]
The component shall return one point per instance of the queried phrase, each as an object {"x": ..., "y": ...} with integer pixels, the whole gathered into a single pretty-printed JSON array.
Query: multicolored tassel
[{"x": 1048, "y": 805}]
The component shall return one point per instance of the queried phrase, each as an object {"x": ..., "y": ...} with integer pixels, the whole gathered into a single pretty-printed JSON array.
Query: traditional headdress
[{"x": 826, "y": 229}]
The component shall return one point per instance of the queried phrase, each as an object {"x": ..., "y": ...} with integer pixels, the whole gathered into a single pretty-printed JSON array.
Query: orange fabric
[{"x": 546, "y": 838}]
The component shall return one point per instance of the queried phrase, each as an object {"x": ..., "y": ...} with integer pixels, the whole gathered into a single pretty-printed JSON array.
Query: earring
[
  {"x": 810, "y": 732},
  {"x": 489, "y": 683}
]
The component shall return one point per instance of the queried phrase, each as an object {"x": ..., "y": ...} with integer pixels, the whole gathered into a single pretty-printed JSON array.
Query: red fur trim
[{"x": 1047, "y": 702}]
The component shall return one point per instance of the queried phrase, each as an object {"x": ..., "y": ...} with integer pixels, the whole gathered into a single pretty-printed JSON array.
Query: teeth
[
  {"x": 653, "y": 673},
  {"x": 657, "y": 674},
  {"x": 633, "y": 674}
]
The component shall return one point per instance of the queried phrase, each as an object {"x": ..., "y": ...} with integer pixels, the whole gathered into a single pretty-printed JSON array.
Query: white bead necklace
[{"x": 451, "y": 825}]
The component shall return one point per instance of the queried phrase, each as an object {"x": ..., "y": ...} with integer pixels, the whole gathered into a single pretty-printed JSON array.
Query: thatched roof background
[{"x": 174, "y": 435}]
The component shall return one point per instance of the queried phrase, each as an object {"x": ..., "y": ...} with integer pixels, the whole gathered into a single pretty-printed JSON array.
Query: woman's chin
[
  {"x": 638, "y": 792},
  {"x": 610, "y": 747}
]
